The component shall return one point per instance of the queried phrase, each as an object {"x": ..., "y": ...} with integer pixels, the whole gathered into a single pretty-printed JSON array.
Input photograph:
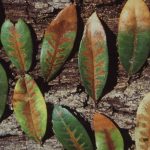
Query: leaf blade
[
  {"x": 107, "y": 136},
  {"x": 4, "y": 90},
  {"x": 58, "y": 41},
  {"x": 17, "y": 43},
  {"x": 93, "y": 57},
  {"x": 30, "y": 108},
  {"x": 134, "y": 35},
  {"x": 142, "y": 136},
  {"x": 69, "y": 131}
]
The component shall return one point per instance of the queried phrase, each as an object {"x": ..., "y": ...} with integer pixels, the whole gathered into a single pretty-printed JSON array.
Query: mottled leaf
[
  {"x": 17, "y": 42},
  {"x": 3, "y": 90},
  {"x": 69, "y": 130},
  {"x": 58, "y": 41},
  {"x": 29, "y": 107},
  {"x": 107, "y": 135},
  {"x": 134, "y": 35},
  {"x": 142, "y": 131},
  {"x": 93, "y": 57}
]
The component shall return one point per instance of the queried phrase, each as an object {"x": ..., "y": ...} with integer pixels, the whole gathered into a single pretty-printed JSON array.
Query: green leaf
[
  {"x": 29, "y": 107},
  {"x": 93, "y": 57},
  {"x": 107, "y": 135},
  {"x": 142, "y": 130},
  {"x": 17, "y": 43},
  {"x": 69, "y": 131},
  {"x": 3, "y": 90},
  {"x": 58, "y": 42},
  {"x": 134, "y": 35}
]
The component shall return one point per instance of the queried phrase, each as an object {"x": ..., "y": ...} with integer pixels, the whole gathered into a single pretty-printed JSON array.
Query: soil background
[{"x": 121, "y": 97}]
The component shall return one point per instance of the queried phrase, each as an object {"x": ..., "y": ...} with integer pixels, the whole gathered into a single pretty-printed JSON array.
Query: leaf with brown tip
[
  {"x": 107, "y": 135},
  {"x": 142, "y": 131},
  {"x": 29, "y": 107},
  {"x": 93, "y": 57},
  {"x": 134, "y": 35},
  {"x": 58, "y": 41}
]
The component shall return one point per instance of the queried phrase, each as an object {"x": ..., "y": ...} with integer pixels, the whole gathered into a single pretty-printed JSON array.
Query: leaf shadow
[
  {"x": 128, "y": 142},
  {"x": 125, "y": 134},
  {"x": 49, "y": 131},
  {"x": 2, "y": 14},
  {"x": 119, "y": 2},
  {"x": 113, "y": 59},
  {"x": 7, "y": 113},
  {"x": 80, "y": 27},
  {"x": 35, "y": 47},
  {"x": 44, "y": 87},
  {"x": 85, "y": 124}
]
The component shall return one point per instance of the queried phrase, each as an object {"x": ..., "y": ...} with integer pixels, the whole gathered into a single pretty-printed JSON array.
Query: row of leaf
[{"x": 28, "y": 102}]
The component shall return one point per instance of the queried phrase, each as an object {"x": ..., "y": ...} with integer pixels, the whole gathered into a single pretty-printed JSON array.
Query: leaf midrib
[
  {"x": 17, "y": 49},
  {"x": 93, "y": 66},
  {"x": 73, "y": 139},
  {"x": 134, "y": 45},
  {"x": 32, "y": 118}
]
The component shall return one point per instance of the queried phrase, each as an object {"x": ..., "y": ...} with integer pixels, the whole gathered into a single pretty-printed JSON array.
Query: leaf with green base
[
  {"x": 142, "y": 130},
  {"x": 134, "y": 35},
  {"x": 58, "y": 42},
  {"x": 93, "y": 57},
  {"x": 107, "y": 135},
  {"x": 3, "y": 90},
  {"x": 17, "y": 42},
  {"x": 69, "y": 131},
  {"x": 30, "y": 108}
]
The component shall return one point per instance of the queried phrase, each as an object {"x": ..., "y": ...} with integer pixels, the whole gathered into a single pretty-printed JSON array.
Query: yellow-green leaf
[
  {"x": 142, "y": 131},
  {"x": 29, "y": 107}
]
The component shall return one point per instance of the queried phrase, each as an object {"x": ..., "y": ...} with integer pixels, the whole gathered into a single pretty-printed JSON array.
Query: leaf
[
  {"x": 29, "y": 107},
  {"x": 142, "y": 130},
  {"x": 17, "y": 43},
  {"x": 93, "y": 57},
  {"x": 3, "y": 90},
  {"x": 69, "y": 131},
  {"x": 58, "y": 42},
  {"x": 134, "y": 35},
  {"x": 107, "y": 135}
]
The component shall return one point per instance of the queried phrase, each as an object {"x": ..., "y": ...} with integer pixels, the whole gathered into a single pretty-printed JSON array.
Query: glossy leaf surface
[
  {"x": 3, "y": 90},
  {"x": 29, "y": 107},
  {"x": 69, "y": 130},
  {"x": 58, "y": 41},
  {"x": 134, "y": 35},
  {"x": 107, "y": 135},
  {"x": 93, "y": 57},
  {"x": 17, "y": 43},
  {"x": 142, "y": 131}
]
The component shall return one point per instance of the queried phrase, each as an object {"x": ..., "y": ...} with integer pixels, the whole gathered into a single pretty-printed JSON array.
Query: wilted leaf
[
  {"x": 107, "y": 135},
  {"x": 3, "y": 90},
  {"x": 29, "y": 107},
  {"x": 93, "y": 57},
  {"x": 69, "y": 130},
  {"x": 134, "y": 35},
  {"x": 58, "y": 41},
  {"x": 17, "y": 43},
  {"x": 142, "y": 131}
]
